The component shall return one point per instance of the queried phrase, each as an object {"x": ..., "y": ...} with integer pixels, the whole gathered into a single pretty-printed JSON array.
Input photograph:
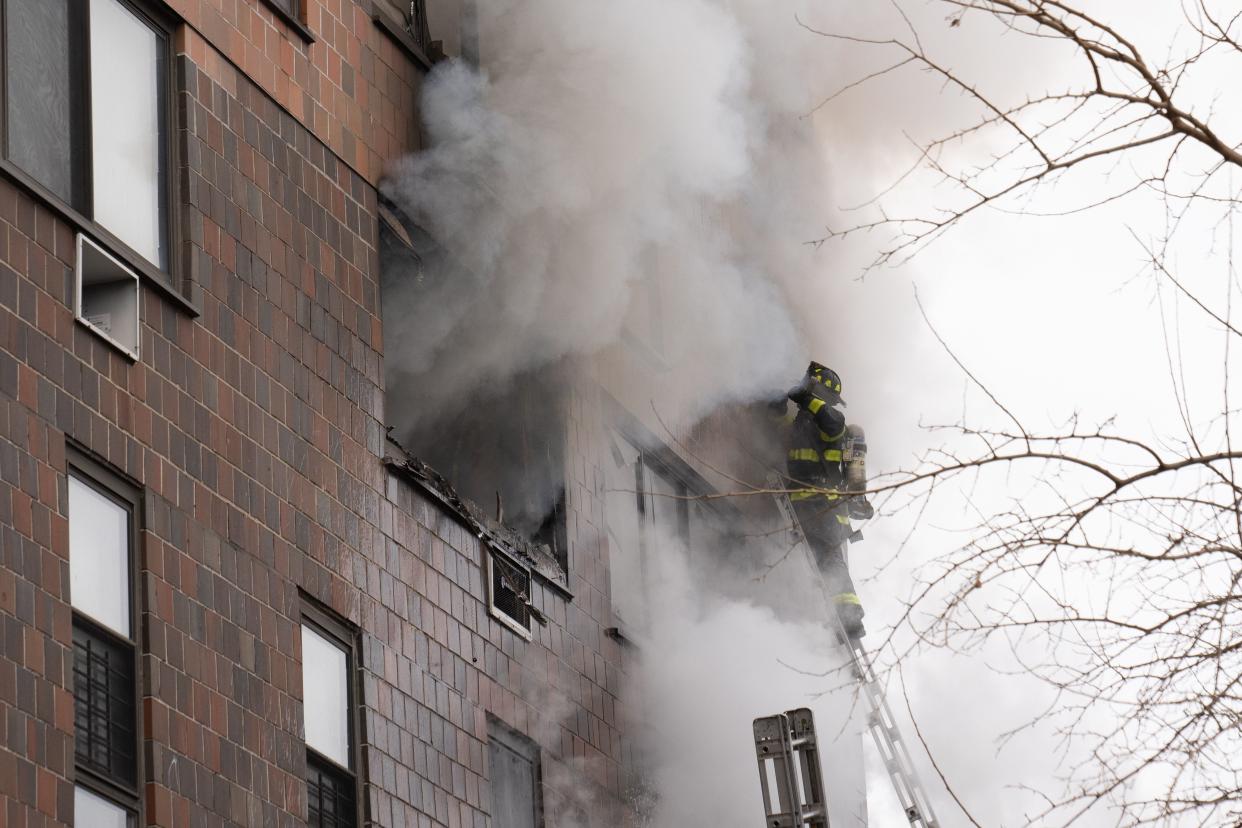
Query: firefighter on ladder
[{"x": 823, "y": 463}]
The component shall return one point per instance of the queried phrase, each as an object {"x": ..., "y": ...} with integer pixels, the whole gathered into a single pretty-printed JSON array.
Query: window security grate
[
  {"x": 510, "y": 590},
  {"x": 103, "y": 705},
  {"x": 329, "y": 793},
  {"x": 416, "y": 24}
]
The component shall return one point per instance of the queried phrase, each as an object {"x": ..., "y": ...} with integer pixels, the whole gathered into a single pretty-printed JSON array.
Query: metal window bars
[{"x": 416, "y": 24}]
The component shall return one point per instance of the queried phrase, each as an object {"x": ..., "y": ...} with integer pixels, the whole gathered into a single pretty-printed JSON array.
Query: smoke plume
[
  {"x": 610, "y": 157},
  {"x": 638, "y": 175}
]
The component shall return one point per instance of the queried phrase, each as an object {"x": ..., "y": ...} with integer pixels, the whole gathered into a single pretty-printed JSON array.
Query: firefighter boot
[{"x": 850, "y": 611}]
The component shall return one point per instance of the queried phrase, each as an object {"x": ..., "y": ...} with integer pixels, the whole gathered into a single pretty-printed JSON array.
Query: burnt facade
[{"x": 225, "y": 598}]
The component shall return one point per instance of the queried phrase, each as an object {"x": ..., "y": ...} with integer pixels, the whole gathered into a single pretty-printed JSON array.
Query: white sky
[{"x": 1052, "y": 313}]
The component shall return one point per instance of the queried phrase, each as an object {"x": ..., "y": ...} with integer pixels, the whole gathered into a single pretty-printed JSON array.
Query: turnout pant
[{"x": 828, "y": 538}]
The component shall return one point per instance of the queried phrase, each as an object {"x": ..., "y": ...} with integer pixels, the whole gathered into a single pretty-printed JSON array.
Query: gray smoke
[
  {"x": 632, "y": 176},
  {"x": 612, "y": 157}
]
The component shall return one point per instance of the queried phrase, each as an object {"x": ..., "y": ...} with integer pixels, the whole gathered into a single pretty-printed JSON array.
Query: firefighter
[{"x": 817, "y": 440}]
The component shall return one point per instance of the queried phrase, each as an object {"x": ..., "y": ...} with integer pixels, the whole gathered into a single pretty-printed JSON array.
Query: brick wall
[
  {"x": 255, "y": 432},
  {"x": 436, "y": 680},
  {"x": 352, "y": 86}
]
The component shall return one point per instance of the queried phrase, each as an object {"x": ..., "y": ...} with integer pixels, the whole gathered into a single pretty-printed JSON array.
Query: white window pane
[
  {"x": 98, "y": 556},
  {"x": 325, "y": 696},
  {"x": 125, "y": 128},
  {"x": 96, "y": 811}
]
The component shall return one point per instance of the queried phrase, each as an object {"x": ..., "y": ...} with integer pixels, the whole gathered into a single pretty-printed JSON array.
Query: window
[
  {"x": 416, "y": 23},
  {"x": 86, "y": 115},
  {"x": 523, "y": 428},
  {"x": 645, "y": 507},
  {"x": 509, "y": 595},
  {"x": 328, "y": 711},
  {"x": 102, "y": 532},
  {"x": 293, "y": 12},
  {"x": 513, "y": 762},
  {"x": 106, "y": 297}
]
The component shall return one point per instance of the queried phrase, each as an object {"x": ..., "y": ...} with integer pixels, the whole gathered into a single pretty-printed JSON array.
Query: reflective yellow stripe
[
  {"x": 844, "y": 520},
  {"x": 847, "y": 598},
  {"x": 832, "y": 455},
  {"x": 804, "y": 454},
  {"x": 815, "y": 405},
  {"x": 809, "y": 494}
]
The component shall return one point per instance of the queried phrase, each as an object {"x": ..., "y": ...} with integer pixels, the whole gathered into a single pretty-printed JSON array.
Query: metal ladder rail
[
  {"x": 897, "y": 760},
  {"x": 785, "y": 745}
]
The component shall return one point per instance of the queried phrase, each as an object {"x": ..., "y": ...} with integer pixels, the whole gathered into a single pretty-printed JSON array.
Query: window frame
[
  {"x": 127, "y": 494},
  {"x": 492, "y": 553},
  {"x": 173, "y": 282},
  {"x": 649, "y": 460},
  {"x": 500, "y": 732},
  {"x": 337, "y": 630},
  {"x": 296, "y": 20},
  {"x": 656, "y": 457},
  {"x": 420, "y": 48}
]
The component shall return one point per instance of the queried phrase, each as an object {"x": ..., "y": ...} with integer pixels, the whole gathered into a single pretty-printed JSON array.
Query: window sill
[
  {"x": 618, "y": 635},
  {"x": 107, "y": 339},
  {"x": 416, "y": 473},
  {"x": 149, "y": 274},
  {"x": 397, "y": 32},
  {"x": 293, "y": 23},
  {"x": 510, "y": 624}
]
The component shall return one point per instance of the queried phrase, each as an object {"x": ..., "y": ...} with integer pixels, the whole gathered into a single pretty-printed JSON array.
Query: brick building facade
[
  {"x": 218, "y": 480},
  {"x": 226, "y": 598}
]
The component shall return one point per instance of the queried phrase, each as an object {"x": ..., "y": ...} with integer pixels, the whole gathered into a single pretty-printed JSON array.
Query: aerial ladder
[
  {"x": 796, "y": 753},
  {"x": 789, "y": 770}
]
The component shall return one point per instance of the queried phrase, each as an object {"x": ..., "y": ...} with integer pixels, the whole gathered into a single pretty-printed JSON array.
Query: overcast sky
[
  {"x": 674, "y": 140},
  {"x": 1057, "y": 315}
]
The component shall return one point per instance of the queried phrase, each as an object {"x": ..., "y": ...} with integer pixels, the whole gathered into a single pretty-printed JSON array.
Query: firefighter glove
[{"x": 861, "y": 509}]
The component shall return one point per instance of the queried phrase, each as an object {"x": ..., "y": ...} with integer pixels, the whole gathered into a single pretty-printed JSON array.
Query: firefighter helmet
[{"x": 830, "y": 378}]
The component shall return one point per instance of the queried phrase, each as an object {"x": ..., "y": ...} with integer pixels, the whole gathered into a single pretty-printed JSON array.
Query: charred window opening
[
  {"x": 553, "y": 532},
  {"x": 499, "y": 440}
]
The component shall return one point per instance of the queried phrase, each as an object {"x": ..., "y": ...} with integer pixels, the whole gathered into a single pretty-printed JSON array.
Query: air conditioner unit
[
  {"x": 509, "y": 592},
  {"x": 106, "y": 297}
]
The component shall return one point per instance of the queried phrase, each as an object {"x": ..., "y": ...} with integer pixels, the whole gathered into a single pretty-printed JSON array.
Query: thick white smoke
[
  {"x": 712, "y": 662},
  {"x": 606, "y": 160},
  {"x": 607, "y": 151}
]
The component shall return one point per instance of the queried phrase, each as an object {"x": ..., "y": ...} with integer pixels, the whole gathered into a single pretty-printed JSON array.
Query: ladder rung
[{"x": 884, "y": 730}]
